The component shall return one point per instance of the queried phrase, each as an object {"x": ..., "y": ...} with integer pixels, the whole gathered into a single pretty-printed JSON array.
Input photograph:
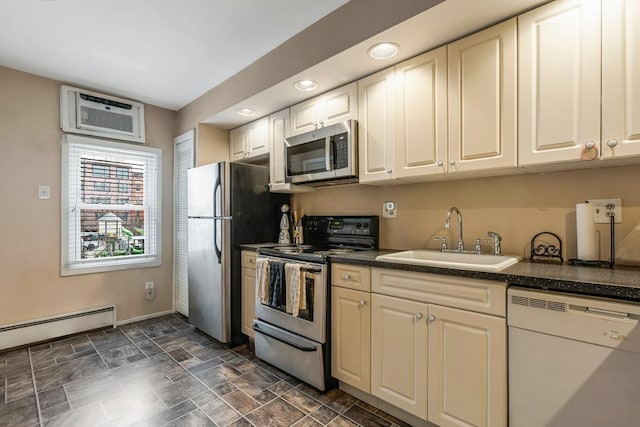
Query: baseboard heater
[{"x": 23, "y": 333}]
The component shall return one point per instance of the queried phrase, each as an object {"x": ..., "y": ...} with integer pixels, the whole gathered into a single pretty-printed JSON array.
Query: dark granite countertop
[
  {"x": 256, "y": 246},
  {"x": 619, "y": 283}
]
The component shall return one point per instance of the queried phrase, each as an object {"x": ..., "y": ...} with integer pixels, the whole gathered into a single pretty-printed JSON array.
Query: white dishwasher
[{"x": 573, "y": 361}]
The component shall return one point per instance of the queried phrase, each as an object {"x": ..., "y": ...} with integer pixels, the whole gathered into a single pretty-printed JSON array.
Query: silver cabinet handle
[
  {"x": 440, "y": 163},
  {"x": 362, "y": 303},
  {"x": 612, "y": 143},
  {"x": 452, "y": 162},
  {"x": 321, "y": 124},
  {"x": 419, "y": 316},
  {"x": 250, "y": 261},
  {"x": 431, "y": 318},
  {"x": 389, "y": 170},
  {"x": 589, "y": 144},
  {"x": 346, "y": 276}
]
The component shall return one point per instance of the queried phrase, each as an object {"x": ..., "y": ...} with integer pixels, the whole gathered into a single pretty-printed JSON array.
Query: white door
[
  {"x": 620, "y": 82},
  {"x": 237, "y": 143},
  {"x": 183, "y": 159},
  {"x": 559, "y": 82},
  {"x": 258, "y": 140},
  {"x": 278, "y": 131}
]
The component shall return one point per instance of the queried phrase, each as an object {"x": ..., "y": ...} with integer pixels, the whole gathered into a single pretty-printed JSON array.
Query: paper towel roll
[{"x": 586, "y": 233}]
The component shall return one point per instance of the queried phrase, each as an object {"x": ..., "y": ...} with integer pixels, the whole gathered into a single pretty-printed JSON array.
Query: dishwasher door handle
[{"x": 610, "y": 313}]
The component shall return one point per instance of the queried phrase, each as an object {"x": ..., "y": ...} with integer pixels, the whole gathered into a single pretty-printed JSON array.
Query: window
[
  {"x": 122, "y": 173},
  {"x": 117, "y": 225},
  {"x": 100, "y": 186}
]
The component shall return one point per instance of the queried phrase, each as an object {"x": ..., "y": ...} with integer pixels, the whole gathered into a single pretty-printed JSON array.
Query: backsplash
[{"x": 517, "y": 207}]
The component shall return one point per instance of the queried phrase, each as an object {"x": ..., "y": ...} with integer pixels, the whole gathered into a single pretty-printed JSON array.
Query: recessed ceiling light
[
  {"x": 245, "y": 111},
  {"x": 383, "y": 50},
  {"x": 306, "y": 85}
]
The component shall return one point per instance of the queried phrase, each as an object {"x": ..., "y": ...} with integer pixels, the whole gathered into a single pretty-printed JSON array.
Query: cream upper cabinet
[
  {"x": 325, "y": 110},
  {"x": 421, "y": 115},
  {"x": 248, "y": 292},
  {"x": 482, "y": 100},
  {"x": 559, "y": 82},
  {"x": 351, "y": 337},
  {"x": 467, "y": 368},
  {"x": 399, "y": 353},
  {"x": 620, "y": 78},
  {"x": 376, "y": 127},
  {"x": 278, "y": 131},
  {"x": 250, "y": 140}
]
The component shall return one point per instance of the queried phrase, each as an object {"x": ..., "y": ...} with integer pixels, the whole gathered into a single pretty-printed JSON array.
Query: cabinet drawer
[
  {"x": 249, "y": 259},
  {"x": 351, "y": 276},
  {"x": 482, "y": 296}
]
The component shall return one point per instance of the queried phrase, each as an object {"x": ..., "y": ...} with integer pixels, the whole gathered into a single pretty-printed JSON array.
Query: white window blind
[{"x": 111, "y": 205}]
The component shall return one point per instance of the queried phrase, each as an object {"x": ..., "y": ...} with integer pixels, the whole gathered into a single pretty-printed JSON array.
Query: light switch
[{"x": 44, "y": 192}]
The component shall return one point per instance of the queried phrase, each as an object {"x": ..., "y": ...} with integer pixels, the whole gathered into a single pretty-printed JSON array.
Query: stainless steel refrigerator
[{"x": 228, "y": 204}]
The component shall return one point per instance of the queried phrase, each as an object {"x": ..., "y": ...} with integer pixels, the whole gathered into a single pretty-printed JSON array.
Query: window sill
[{"x": 109, "y": 265}]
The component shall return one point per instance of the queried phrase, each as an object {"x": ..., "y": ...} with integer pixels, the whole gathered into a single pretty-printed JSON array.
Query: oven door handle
[{"x": 284, "y": 340}]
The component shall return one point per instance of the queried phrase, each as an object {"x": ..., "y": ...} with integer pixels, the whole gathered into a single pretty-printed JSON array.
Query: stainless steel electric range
[{"x": 296, "y": 340}]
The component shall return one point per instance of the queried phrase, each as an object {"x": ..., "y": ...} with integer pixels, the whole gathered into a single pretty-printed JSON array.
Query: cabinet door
[
  {"x": 421, "y": 115},
  {"x": 278, "y": 131},
  {"x": 467, "y": 368},
  {"x": 559, "y": 81},
  {"x": 248, "y": 300},
  {"x": 305, "y": 116},
  {"x": 399, "y": 353},
  {"x": 620, "y": 82},
  {"x": 351, "y": 337},
  {"x": 376, "y": 127},
  {"x": 482, "y": 100},
  {"x": 237, "y": 142},
  {"x": 258, "y": 138},
  {"x": 339, "y": 105}
]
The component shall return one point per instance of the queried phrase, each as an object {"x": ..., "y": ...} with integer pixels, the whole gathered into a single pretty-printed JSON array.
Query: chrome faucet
[
  {"x": 497, "y": 239},
  {"x": 447, "y": 225}
]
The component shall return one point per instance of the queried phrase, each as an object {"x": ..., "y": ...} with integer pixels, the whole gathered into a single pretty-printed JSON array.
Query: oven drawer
[
  {"x": 355, "y": 277},
  {"x": 292, "y": 353}
]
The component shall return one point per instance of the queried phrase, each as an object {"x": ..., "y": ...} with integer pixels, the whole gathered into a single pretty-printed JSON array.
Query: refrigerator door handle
[{"x": 216, "y": 188}]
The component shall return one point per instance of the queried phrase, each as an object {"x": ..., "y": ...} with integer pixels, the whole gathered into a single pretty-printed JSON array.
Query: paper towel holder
[
  {"x": 612, "y": 261},
  {"x": 543, "y": 250}
]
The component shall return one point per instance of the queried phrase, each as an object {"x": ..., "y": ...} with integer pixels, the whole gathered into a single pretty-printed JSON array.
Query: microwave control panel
[{"x": 340, "y": 144}]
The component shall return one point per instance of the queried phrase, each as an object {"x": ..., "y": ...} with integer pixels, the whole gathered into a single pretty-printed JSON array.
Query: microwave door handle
[{"x": 327, "y": 154}]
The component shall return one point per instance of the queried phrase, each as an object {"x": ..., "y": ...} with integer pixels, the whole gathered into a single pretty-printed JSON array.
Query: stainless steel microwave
[{"x": 328, "y": 155}]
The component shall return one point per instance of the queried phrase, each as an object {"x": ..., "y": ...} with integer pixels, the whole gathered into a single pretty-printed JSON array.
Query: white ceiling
[{"x": 162, "y": 52}]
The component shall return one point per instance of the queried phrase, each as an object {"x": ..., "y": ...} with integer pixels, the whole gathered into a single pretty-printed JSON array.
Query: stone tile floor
[{"x": 162, "y": 372}]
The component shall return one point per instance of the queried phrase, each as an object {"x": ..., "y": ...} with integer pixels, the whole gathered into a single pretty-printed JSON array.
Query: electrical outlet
[
  {"x": 149, "y": 291},
  {"x": 389, "y": 210},
  {"x": 604, "y": 208}
]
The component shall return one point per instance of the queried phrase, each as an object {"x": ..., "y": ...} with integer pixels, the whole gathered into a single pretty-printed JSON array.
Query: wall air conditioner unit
[{"x": 91, "y": 113}]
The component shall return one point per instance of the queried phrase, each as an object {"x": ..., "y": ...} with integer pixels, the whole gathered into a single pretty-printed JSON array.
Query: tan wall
[
  {"x": 212, "y": 144},
  {"x": 517, "y": 207},
  {"x": 360, "y": 20},
  {"x": 30, "y": 282}
]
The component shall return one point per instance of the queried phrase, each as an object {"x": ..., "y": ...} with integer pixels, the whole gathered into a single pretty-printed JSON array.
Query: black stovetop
[{"x": 330, "y": 235}]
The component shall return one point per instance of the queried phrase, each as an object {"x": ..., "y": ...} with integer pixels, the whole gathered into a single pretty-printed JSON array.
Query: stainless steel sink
[{"x": 450, "y": 260}]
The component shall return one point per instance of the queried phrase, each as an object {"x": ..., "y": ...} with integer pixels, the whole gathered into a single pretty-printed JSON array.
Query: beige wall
[
  {"x": 517, "y": 207},
  {"x": 212, "y": 145},
  {"x": 30, "y": 282}
]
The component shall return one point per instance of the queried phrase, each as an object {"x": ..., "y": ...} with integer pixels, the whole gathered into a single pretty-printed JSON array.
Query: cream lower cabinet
[
  {"x": 351, "y": 325},
  {"x": 399, "y": 353},
  {"x": 438, "y": 347},
  {"x": 467, "y": 368},
  {"x": 248, "y": 292}
]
